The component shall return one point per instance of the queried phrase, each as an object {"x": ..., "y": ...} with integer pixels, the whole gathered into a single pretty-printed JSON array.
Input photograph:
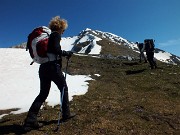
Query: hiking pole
[{"x": 61, "y": 96}]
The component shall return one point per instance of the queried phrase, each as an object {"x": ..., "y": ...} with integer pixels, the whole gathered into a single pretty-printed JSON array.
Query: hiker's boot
[
  {"x": 155, "y": 65},
  {"x": 30, "y": 125},
  {"x": 31, "y": 122},
  {"x": 67, "y": 117}
]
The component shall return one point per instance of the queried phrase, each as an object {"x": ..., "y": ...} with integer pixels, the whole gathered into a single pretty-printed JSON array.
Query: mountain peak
[{"x": 95, "y": 42}]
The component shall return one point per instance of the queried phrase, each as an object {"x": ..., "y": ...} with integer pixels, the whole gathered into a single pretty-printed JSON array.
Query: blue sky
[{"x": 133, "y": 20}]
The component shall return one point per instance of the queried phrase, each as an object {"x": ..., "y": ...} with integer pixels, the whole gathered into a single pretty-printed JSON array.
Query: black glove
[{"x": 68, "y": 54}]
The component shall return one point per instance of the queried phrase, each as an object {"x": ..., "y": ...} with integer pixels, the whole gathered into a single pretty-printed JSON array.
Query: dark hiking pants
[
  {"x": 150, "y": 58},
  {"x": 49, "y": 72}
]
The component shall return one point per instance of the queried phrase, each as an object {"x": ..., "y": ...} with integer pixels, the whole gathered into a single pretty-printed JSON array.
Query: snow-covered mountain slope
[{"x": 86, "y": 42}]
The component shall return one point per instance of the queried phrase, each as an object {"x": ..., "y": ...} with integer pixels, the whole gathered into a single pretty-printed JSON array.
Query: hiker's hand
[{"x": 68, "y": 54}]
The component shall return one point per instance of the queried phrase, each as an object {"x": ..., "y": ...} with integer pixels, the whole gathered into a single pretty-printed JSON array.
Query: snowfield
[{"x": 19, "y": 82}]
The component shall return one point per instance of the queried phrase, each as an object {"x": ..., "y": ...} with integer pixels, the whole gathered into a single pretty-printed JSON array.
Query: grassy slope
[{"x": 128, "y": 98}]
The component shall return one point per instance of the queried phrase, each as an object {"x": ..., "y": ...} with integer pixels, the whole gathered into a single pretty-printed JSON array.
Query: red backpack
[{"x": 37, "y": 44}]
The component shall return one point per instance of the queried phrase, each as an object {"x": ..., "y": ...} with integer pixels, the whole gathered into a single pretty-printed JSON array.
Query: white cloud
[{"x": 172, "y": 42}]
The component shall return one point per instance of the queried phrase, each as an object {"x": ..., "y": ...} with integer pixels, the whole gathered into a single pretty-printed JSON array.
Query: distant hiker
[
  {"x": 149, "y": 47},
  {"x": 141, "y": 48},
  {"x": 51, "y": 71}
]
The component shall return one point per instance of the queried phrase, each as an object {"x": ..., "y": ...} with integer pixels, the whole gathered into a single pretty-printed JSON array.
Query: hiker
[
  {"x": 141, "y": 48},
  {"x": 149, "y": 47},
  {"x": 51, "y": 71}
]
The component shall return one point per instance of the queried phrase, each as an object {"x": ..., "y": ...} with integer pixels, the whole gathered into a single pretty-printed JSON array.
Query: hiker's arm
[
  {"x": 56, "y": 44},
  {"x": 142, "y": 50},
  {"x": 58, "y": 47}
]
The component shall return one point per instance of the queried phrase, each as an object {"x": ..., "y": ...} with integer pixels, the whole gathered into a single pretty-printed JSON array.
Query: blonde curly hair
[{"x": 57, "y": 23}]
